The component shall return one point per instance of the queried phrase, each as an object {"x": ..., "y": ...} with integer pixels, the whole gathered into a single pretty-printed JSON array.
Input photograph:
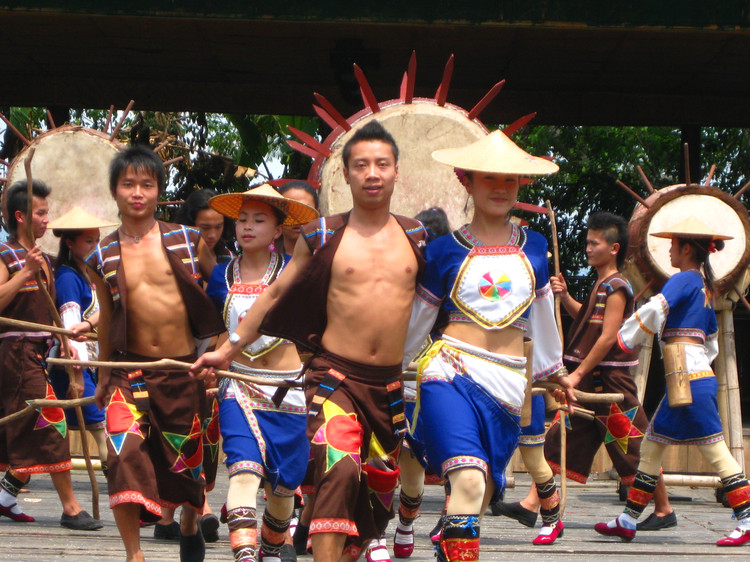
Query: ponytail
[{"x": 703, "y": 249}]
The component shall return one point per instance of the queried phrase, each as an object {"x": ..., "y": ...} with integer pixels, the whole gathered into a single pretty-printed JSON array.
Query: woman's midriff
[
  {"x": 281, "y": 358},
  {"x": 683, "y": 339},
  {"x": 507, "y": 341}
]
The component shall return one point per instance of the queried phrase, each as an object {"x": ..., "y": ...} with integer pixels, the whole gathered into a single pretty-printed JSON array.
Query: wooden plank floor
[{"x": 702, "y": 521}]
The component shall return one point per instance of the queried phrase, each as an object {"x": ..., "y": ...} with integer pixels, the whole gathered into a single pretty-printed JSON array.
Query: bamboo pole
[
  {"x": 734, "y": 407},
  {"x": 174, "y": 365},
  {"x": 585, "y": 397},
  {"x": 641, "y": 370},
  {"x": 33, "y": 326},
  {"x": 55, "y": 314}
]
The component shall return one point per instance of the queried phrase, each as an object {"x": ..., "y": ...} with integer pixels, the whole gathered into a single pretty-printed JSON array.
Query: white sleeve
[
  {"x": 70, "y": 314},
  {"x": 645, "y": 322},
  {"x": 423, "y": 315},
  {"x": 543, "y": 330}
]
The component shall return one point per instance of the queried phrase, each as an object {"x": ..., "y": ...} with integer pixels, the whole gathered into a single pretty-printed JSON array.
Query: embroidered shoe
[
  {"x": 549, "y": 533},
  {"x": 20, "y": 517},
  {"x": 403, "y": 542},
  {"x": 377, "y": 552},
  {"x": 618, "y": 530},
  {"x": 738, "y": 537}
]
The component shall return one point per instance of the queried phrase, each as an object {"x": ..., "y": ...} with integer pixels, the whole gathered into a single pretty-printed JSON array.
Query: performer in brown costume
[
  {"x": 152, "y": 306},
  {"x": 342, "y": 266},
  {"x": 38, "y": 443}
]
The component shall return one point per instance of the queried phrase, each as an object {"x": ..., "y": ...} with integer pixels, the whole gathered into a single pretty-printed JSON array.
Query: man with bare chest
[
  {"x": 146, "y": 274},
  {"x": 347, "y": 296}
]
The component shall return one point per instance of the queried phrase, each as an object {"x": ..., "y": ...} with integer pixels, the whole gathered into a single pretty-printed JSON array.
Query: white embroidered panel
[
  {"x": 239, "y": 300},
  {"x": 494, "y": 285}
]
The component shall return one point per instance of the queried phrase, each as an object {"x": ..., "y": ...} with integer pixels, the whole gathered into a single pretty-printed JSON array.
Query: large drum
[
  {"x": 647, "y": 263},
  {"x": 74, "y": 162},
  {"x": 418, "y": 128}
]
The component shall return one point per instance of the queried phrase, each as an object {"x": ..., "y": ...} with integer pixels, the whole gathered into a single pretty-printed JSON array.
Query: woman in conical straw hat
[
  {"x": 263, "y": 442},
  {"x": 75, "y": 294},
  {"x": 491, "y": 278},
  {"x": 683, "y": 316}
]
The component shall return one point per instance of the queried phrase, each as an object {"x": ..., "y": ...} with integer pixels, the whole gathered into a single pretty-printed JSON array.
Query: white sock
[
  {"x": 626, "y": 521},
  {"x": 380, "y": 554},
  {"x": 408, "y": 534},
  {"x": 7, "y": 499},
  {"x": 545, "y": 530},
  {"x": 293, "y": 526}
]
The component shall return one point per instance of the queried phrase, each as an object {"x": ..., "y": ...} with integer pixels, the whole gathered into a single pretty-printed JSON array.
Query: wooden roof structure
[{"x": 676, "y": 63}]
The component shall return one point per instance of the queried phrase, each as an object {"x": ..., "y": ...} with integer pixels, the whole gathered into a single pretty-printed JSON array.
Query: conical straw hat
[
  {"x": 691, "y": 227},
  {"x": 229, "y": 204},
  {"x": 78, "y": 219},
  {"x": 495, "y": 154}
]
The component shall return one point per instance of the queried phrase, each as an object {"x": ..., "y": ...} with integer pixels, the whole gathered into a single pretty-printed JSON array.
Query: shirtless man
[
  {"x": 146, "y": 274},
  {"x": 347, "y": 295}
]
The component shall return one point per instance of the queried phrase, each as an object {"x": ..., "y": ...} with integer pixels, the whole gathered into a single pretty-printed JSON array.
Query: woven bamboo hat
[
  {"x": 78, "y": 219},
  {"x": 691, "y": 227},
  {"x": 495, "y": 154},
  {"x": 229, "y": 204}
]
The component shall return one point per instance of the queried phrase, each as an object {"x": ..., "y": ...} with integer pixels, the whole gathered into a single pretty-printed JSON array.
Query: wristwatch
[{"x": 234, "y": 337}]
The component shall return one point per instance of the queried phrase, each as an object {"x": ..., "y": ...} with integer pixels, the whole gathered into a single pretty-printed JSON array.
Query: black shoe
[
  {"x": 300, "y": 539},
  {"x": 288, "y": 553},
  {"x": 192, "y": 547},
  {"x": 169, "y": 532},
  {"x": 655, "y": 522},
  {"x": 81, "y": 522},
  {"x": 515, "y": 511},
  {"x": 210, "y": 527}
]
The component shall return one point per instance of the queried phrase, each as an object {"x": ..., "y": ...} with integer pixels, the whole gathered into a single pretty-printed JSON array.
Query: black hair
[
  {"x": 435, "y": 222},
  {"x": 613, "y": 228},
  {"x": 702, "y": 249},
  {"x": 196, "y": 202},
  {"x": 373, "y": 131},
  {"x": 64, "y": 255},
  {"x": 142, "y": 159},
  {"x": 304, "y": 186},
  {"x": 17, "y": 198}
]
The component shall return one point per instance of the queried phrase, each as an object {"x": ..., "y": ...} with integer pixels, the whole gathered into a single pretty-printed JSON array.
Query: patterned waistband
[
  {"x": 510, "y": 361},
  {"x": 264, "y": 373},
  {"x": 701, "y": 375},
  {"x": 521, "y": 323}
]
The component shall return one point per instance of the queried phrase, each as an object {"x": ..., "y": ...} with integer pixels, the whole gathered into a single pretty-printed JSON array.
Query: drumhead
[{"x": 74, "y": 162}]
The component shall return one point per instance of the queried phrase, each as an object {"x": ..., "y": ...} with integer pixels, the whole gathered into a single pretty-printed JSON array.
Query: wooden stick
[
  {"x": 644, "y": 177},
  {"x": 51, "y": 120},
  {"x": 23, "y": 139},
  {"x": 173, "y": 365},
  {"x": 45, "y": 403},
  {"x": 742, "y": 190},
  {"x": 633, "y": 194},
  {"x": 109, "y": 117},
  {"x": 585, "y": 397},
  {"x": 710, "y": 175},
  {"x": 173, "y": 160},
  {"x": 686, "y": 152},
  {"x": 122, "y": 120},
  {"x": 642, "y": 292},
  {"x": 63, "y": 338},
  {"x": 33, "y": 326}
]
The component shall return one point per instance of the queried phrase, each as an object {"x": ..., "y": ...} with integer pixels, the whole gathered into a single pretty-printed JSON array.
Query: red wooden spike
[
  {"x": 411, "y": 76},
  {"x": 530, "y": 207},
  {"x": 485, "y": 101},
  {"x": 368, "y": 97},
  {"x": 518, "y": 124},
  {"x": 328, "y": 106},
  {"x": 299, "y": 147},
  {"x": 323, "y": 114},
  {"x": 442, "y": 92},
  {"x": 310, "y": 141}
]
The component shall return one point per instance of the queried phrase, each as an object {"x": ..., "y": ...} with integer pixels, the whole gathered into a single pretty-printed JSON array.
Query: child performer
[
  {"x": 76, "y": 299},
  {"x": 683, "y": 316},
  {"x": 264, "y": 443},
  {"x": 492, "y": 279}
]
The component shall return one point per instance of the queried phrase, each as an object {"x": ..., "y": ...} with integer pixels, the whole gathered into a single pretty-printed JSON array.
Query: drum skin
[
  {"x": 74, "y": 162},
  {"x": 419, "y": 128},
  {"x": 647, "y": 260}
]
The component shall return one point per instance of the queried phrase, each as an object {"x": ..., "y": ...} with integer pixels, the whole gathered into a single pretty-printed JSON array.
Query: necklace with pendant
[{"x": 137, "y": 239}]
